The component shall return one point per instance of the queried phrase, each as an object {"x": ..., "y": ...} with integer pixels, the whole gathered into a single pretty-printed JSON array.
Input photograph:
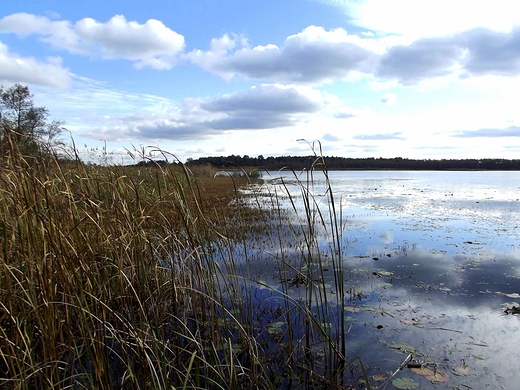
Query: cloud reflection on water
[{"x": 438, "y": 250}]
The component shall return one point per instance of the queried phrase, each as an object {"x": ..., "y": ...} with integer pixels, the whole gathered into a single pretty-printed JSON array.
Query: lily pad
[
  {"x": 438, "y": 377},
  {"x": 422, "y": 371},
  {"x": 405, "y": 383},
  {"x": 402, "y": 348},
  {"x": 377, "y": 310},
  {"x": 379, "y": 377}
]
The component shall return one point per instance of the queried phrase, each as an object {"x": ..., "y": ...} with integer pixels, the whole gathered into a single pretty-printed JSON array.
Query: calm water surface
[{"x": 432, "y": 261}]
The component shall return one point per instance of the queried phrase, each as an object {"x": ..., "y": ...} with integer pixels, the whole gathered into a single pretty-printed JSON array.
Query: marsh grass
[
  {"x": 315, "y": 313},
  {"x": 143, "y": 277}
]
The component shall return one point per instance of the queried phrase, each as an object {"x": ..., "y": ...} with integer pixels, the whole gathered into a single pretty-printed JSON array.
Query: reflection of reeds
[
  {"x": 126, "y": 277},
  {"x": 323, "y": 319}
]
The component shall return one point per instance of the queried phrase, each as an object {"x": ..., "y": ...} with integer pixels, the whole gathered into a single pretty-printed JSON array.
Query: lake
[{"x": 431, "y": 268}]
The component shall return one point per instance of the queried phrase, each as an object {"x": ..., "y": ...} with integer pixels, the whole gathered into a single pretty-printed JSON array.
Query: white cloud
[
  {"x": 274, "y": 98},
  {"x": 428, "y": 18},
  {"x": 490, "y": 52},
  {"x": 314, "y": 55},
  {"x": 151, "y": 44},
  {"x": 25, "y": 24},
  {"x": 427, "y": 58},
  {"x": 476, "y": 52},
  {"x": 18, "y": 69},
  {"x": 271, "y": 106}
]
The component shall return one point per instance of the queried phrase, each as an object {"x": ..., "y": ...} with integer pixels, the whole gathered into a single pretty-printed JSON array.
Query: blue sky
[{"x": 368, "y": 78}]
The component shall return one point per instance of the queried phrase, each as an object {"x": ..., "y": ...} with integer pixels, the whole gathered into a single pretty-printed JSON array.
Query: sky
[{"x": 194, "y": 78}]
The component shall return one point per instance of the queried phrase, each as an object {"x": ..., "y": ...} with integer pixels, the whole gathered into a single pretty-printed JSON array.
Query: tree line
[{"x": 346, "y": 163}]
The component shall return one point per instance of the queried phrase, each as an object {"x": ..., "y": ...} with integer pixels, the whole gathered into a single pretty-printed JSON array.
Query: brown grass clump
[
  {"x": 142, "y": 278},
  {"x": 104, "y": 282}
]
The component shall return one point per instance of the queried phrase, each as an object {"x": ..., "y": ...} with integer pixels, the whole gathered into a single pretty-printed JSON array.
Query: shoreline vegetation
[
  {"x": 141, "y": 277},
  {"x": 299, "y": 163}
]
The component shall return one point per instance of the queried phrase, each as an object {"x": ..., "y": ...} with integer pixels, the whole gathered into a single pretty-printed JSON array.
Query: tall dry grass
[{"x": 140, "y": 278}]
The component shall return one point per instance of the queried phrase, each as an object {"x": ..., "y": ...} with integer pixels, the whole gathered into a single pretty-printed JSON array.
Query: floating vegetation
[
  {"x": 431, "y": 374},
  {"x": 405, "y": 384},
  {"x": 402, "y": 348}
]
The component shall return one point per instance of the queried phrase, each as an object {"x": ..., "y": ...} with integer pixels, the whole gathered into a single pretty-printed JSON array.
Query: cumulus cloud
[
  {"x": 151, "y": 44},
  {"x": 316, "y": 55},
  {"x": 511, "y": 131},
  {"x": 260, "y": 107},
  {"x": 17, "y": 69},
  {"x": 485, "y": 41},
  {"x": 490, "y": 52},
  {"x": 273, "y": 98},
  {"x": 25, "y": 24},
  {"x": 312, "y": 56},
  {"x": 427, "y": 58},
  {"x": 476, "y": 52}
]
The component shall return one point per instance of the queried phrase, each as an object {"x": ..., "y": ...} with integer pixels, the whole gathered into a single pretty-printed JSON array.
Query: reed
[
  {"x": 146, "y": 277},
  {"x": 314, "y": 307}
]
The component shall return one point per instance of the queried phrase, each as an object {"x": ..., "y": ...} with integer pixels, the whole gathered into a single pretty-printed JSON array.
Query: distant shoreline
[{"x": 344, "y": 164}]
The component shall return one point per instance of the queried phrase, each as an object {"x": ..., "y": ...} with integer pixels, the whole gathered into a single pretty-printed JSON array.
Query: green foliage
[
  {"x": 405, "y": 384},
  {"x": 24, "y": 126}
]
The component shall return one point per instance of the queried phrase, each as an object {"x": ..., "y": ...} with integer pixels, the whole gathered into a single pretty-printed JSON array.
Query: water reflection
[{"x": 430, "y": 259}]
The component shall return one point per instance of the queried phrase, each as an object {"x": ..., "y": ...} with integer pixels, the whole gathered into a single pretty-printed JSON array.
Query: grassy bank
[{"x": 138, "y": 277}]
